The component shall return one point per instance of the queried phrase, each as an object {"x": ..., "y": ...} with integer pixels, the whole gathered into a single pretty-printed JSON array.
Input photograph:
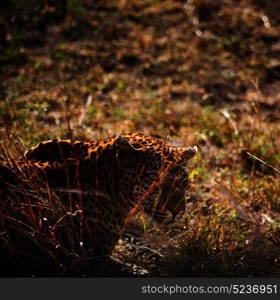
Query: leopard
[{"x": 108, "y": 181}]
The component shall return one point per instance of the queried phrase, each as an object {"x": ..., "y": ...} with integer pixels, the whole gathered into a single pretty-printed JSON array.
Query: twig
[{"x": 262, "y": 161}]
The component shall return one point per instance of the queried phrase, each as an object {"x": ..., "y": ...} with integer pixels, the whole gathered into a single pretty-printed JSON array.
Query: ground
[{"x": 198, "y": 72}]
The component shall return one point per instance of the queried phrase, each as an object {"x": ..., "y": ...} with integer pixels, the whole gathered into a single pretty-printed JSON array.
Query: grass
[{"x": 197, "y": 73}]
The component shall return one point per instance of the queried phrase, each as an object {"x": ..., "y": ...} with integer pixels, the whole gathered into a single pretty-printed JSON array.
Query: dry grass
[{"x": 197, "y": 73}]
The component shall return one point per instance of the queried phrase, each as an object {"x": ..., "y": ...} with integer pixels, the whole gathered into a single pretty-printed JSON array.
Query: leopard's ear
[
  {"x": 124, "y": 144},
  {"x": 188, "y": 153}
]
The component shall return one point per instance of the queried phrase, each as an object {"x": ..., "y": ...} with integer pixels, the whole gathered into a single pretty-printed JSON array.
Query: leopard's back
[{"x": 58, "y": 150}]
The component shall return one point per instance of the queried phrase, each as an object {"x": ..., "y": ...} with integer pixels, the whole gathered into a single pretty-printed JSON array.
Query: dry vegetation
[{"x": 199, "y": 72}]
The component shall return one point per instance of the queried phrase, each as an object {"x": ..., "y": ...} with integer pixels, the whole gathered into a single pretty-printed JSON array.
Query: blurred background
[{"x": 195, "y": 72}]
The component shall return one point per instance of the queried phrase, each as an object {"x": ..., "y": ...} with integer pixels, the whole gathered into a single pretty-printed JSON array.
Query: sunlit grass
[{"x": 196, "y": 73}]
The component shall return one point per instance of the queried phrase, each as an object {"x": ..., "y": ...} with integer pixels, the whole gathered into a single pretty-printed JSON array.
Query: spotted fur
[{"x": 109, "y": 181}]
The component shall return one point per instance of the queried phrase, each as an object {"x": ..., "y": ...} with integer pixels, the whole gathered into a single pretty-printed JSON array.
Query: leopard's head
[{"x": 158, "y": 174}]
